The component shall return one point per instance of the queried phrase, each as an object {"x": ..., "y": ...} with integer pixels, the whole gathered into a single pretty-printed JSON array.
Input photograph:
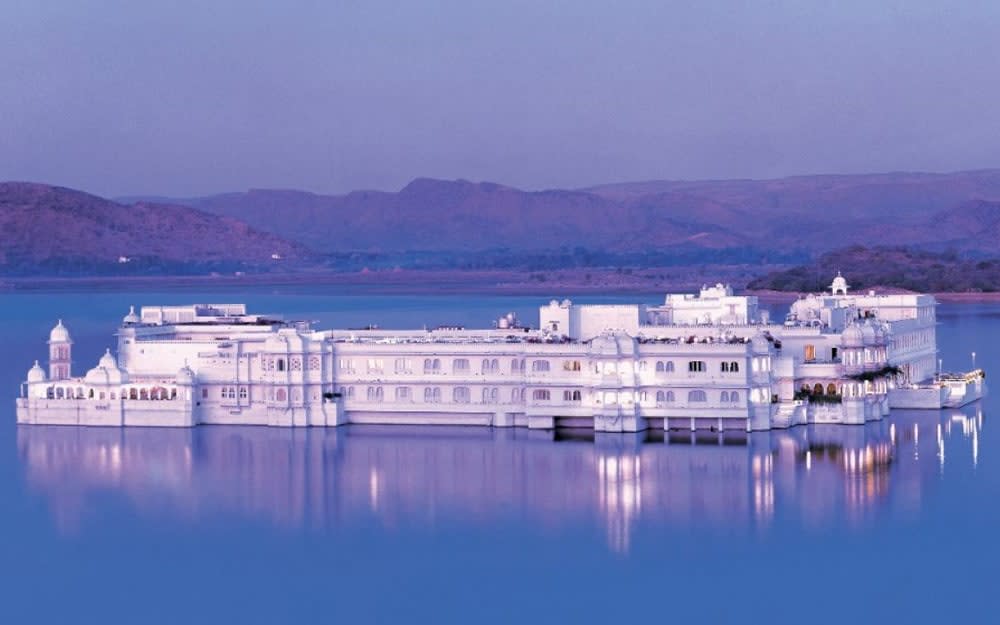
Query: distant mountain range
[
  {"x": 62, "y": 230},
  {"x": 668, "y": 222},
  {"x": 809, "y": 213}
]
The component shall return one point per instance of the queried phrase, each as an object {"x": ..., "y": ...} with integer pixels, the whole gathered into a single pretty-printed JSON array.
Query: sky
[{"x": 185, "y": 98}]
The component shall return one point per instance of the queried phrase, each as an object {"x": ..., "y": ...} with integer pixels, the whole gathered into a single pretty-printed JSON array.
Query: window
[
  {"x": 515, "y": 395},
  {"x": 460, "y": 395},
  {"x": 571, "y": 365},
  {"x": 403, "y": 365},
  {"x": 403, "y": 393},
  {"x": 281, "y": 364},
  {"x": 696, "y": 366},
  {"x": 670, "y": 366},
  {"x": 818, "y": 389},
  {"x": 834, "y": 353},
  {"x": 641, "y": 365},
  {"x": 374, "y": 393},
  {"x": 572, "y": 396},
  {"x": 730, "y": 367},
  {"x": 281, "y": 395},
  {"x": 314, "y": 363},
  {"x": 734, "y": 397},
  {"x": 725, "y": 396},
  {"x": 540, "y": 395},
  {"x": 831, "y": 389},
  {"x": 347, "y": 365},
  {"x": 295, "y": 363},
  {"x": 697, "y": 396},
  {"x": 231, "y": 393},
  {"x": 664, "y": 397},
  {"x": 810, "y": 352},
  {"x": 432, "y": 394},
  {"x": 660, "y": 367},
  {"x": 517, "y": 365},
  {"x": 460, "y": 365},
  {"x": 539, "y": 365},
  {"x": 375, "y": 365}
]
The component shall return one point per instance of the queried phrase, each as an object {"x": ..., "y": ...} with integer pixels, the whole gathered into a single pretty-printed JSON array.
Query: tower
[{"x": 60, "y": 352}]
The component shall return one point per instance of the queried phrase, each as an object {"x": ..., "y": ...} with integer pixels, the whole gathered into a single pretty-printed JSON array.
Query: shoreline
[{"x": 655, "y": 281}]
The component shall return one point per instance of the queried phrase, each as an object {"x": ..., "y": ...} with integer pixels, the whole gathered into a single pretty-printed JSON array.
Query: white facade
[{"x": 610, "y": 368}]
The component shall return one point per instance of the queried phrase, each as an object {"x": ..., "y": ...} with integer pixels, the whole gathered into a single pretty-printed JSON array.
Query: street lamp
[{"x": 973, "y": 361}]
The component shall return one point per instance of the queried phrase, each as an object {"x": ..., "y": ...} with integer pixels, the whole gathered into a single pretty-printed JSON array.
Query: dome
[
  {"x": 185, "y": 376},
  {"x": 107, "y": 360},
  {"x": 852, "y": 337},
  {"x": 839, "y": 285},
  {"x": 868, "y": 332},
  {"x": 36, "y": 374},
  {"x": 131, "y": 317},
  {"x": 59, "y": 334},
  {"x": 106, "y": 372}
]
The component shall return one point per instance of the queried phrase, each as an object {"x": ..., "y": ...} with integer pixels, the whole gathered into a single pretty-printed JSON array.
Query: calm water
[{"x": 891, "y": 522}]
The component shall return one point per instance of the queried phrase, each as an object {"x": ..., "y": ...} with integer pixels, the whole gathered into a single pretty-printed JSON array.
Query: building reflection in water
[{"x": 394, "y": 475}]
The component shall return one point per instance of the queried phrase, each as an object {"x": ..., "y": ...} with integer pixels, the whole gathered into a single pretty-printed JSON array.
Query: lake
[{"x": 889, "y": 522}]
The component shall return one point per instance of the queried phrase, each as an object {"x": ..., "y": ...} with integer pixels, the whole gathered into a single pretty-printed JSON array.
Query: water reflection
[{"x": 398, "y": 475}]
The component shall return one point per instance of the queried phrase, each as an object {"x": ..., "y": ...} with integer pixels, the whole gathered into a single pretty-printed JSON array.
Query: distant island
[{"x": 888, "y": 267}]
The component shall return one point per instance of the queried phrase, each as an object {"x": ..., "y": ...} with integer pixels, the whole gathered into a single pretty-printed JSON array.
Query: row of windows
[
  {"x": 155, "y": 393},
  {"x": 517, "y": 365},
  {"x": 293, "y": 363},
  {"x": 462, "y": 395},
  {"x": 228, "y": 392}
]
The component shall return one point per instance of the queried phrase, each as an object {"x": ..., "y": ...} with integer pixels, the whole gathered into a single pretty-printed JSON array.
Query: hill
[
  {"x": 810, "y": 214},
  {"x": 54, "y": 229},
  {"x": 893, "y": 267}
]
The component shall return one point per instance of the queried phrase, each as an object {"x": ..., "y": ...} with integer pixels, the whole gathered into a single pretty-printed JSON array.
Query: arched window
[
  {"x": 734, "y": 397},
  {"x": 696, "y": 366},
  {"x": 173, "y": 394},
  {"x": 724, "y": 367},
  {"x": 428, "y": 365},
  {"x": 243, "y": 392},
  {"x": 697, "y": 396},
  {"x": 572, "y": 396},
  {"x": 734, "y": 367},
  {"x": 831, "y": 389},
  {"x": 670, "y": 397},
  {"x": 281, "y": 364},
  {"x": 540, "y": 365},
  {"x": 494, "y": 365},
  {"x": 281, "y": 395},
  {"x": 436, "y": 365},
  {"x": 725, "y": 396},
  {"x": 143, "y": 394},
  {"x": 50, "y": 393},
  {"x": 515, "y": 395},
  {"x": 486, "y": 395},
  {"x": 460, "y": 395},
  {"x": 818, "y": 389},
  {"x": 515, "y": 365},
  {"x": 429, "y": 394},
  {"x": 670, "y": 366},
  {"x": 660, "y": 396},
  {"x": 90, "y": 395},
  {"x": 59, "y": 393},
  {"x": 660, "y": 366},
  {"x": 571, "y": 365},
  {"x": 486, "y": 365},
  {"x": 350, "y": 392},
  {"x": 540, "y": 395}
]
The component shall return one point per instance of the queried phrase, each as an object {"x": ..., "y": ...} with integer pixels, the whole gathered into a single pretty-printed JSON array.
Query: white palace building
[{"x": 706, "y": 361}]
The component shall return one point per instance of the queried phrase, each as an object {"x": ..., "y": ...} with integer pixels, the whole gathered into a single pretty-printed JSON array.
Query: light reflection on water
[{"x": 395, "y": 475}]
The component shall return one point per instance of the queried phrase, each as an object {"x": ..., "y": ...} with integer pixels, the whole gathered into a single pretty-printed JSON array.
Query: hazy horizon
[{"x": 191, "y": 99}]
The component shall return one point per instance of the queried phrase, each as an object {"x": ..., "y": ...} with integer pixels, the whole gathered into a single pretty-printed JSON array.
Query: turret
[{"x": 60, "y": 352}]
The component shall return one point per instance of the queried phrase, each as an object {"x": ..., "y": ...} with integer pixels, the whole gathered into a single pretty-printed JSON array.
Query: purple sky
[{"x": 193, "y": 97}]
